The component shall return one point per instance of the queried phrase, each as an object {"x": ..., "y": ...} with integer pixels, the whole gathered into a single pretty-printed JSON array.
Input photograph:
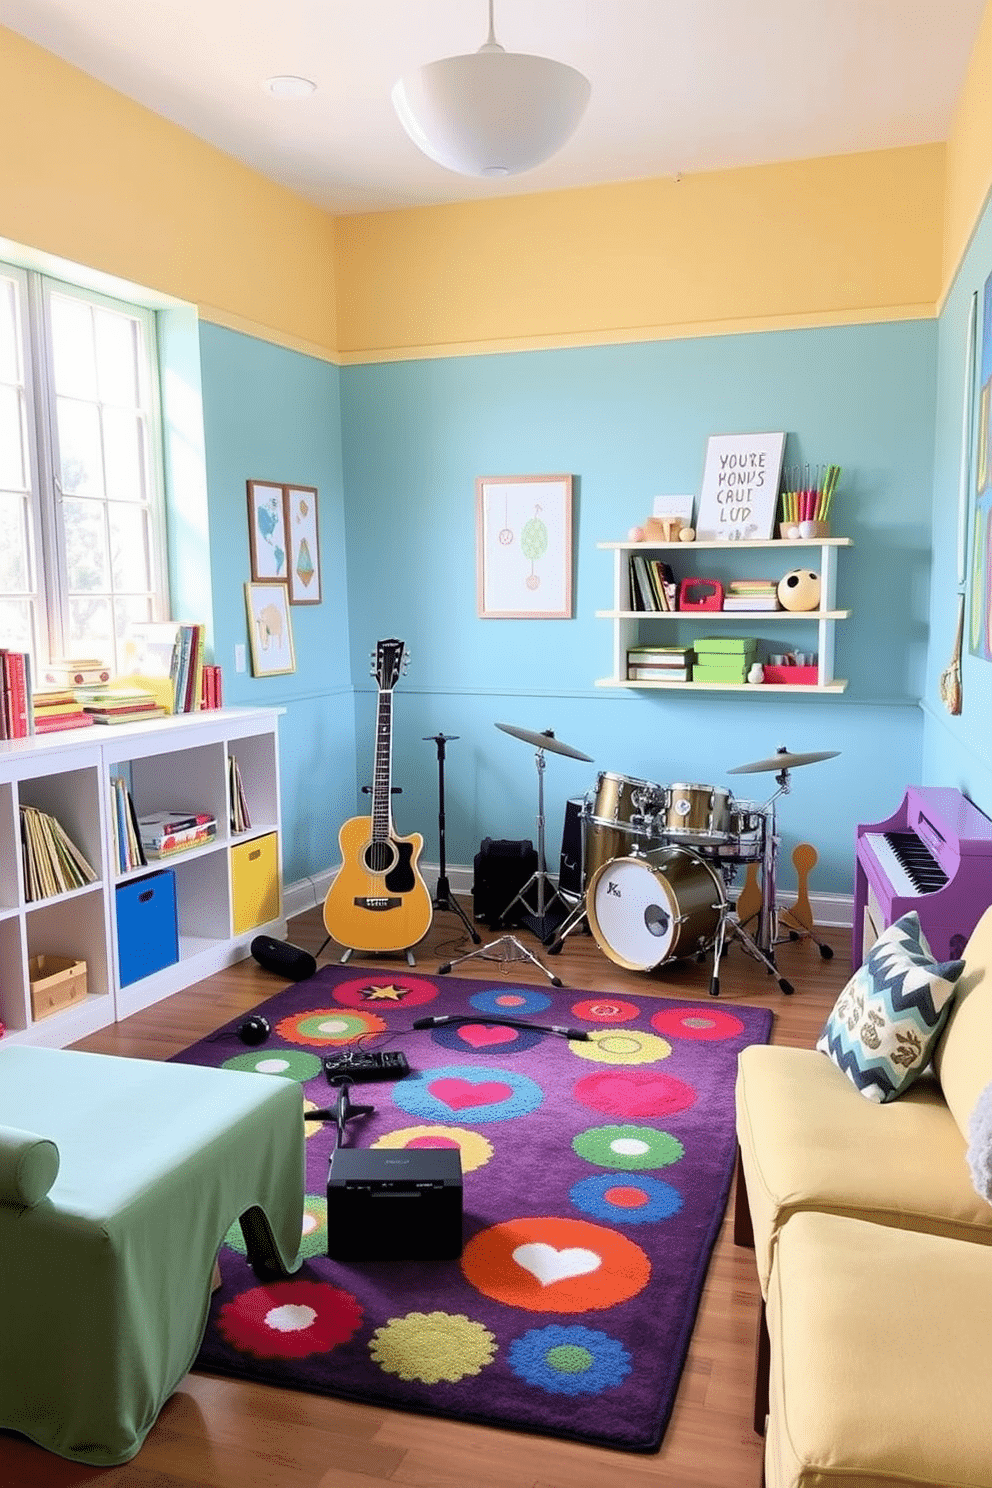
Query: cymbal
[
  {"x": 783, "y": 760},
  {"x": 545, "y": 740}
]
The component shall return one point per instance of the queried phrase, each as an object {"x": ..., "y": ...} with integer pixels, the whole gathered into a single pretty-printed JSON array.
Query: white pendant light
[{"x": 491, "y": 112}]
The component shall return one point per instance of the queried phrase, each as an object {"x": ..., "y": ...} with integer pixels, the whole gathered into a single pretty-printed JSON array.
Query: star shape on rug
[{"x": 384, "y": 994}]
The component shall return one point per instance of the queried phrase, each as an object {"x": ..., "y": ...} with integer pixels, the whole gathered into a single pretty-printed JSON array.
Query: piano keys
[{"x": 933, "y": 855}]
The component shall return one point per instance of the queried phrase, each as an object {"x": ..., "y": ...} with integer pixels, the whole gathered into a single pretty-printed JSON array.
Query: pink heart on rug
[
  {"x": 625, "y": 1097},
  {"x": 549, "y": 1265},
  {"x": 458, "y": 1094},
  {"x": 478, "y": 1035}
]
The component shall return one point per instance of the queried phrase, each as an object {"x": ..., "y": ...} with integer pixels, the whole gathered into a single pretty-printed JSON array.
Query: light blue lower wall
[
  {"x": 957, "y": 750},
  {"x": 629, "y": 422},
  {"x": 272, "y": 414},
  {"x": 394, "y": 451}
]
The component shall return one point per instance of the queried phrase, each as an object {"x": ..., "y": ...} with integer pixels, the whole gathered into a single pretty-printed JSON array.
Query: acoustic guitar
[{"x": 378, "y": 900}]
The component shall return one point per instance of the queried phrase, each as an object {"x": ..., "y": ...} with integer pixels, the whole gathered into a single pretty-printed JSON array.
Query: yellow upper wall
[
  {"x": 845, "y": 238},
  {"x": 98, "y": 180},
  {"x": 969, "y": 153},
  {"x": 92, "y": 177}
]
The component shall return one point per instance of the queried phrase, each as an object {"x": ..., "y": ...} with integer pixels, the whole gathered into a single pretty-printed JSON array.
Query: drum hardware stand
[
  {"x": 729, "y": 922},
  {"x": 507, "y": 948},
  {"x": 541, "y": 920},
  {"x": 442, "y": 896}
]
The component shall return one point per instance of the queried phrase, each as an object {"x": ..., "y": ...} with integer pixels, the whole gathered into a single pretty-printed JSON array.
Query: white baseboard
[{"x": 835, "y": 910}]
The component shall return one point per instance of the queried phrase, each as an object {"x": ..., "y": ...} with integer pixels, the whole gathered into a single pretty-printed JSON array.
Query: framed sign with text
[{"x": 739, "y": 494}]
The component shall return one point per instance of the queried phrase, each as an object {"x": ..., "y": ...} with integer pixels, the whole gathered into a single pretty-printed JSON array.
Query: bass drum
[{"x": 646, "y": 910}]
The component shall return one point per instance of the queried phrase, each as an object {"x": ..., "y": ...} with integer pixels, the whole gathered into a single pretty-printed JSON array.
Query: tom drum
[
  {"x": 696, "y": 812},
  {"x": 623, "y": 814},
  {"x": 646, "y": 910}
]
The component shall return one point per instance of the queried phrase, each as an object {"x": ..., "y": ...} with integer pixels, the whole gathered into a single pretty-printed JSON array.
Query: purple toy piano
[{"x": 935, "y": 856}]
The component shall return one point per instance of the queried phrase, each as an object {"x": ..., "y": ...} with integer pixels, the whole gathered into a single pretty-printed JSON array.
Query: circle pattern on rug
[
  {"x": 323, "y": 1026},
  {"x": 475, "y": 1149},
  {"x": 638, "y": 1200},
  {"x": 605, "y": 1010},
  {"x": 515, "y": 1002},
  {"x": 487, "y": 1038},
  {"x": 432, "y": 1346},
  {"x": 293, "y": 1064},
  {"x": 696, "y": 1022},
  {"x": 472, "y": 1091},
  {"x": 385, "y": 992},
  {"x": 290, "y": 1319},
  {"x": 569, "y": 1360},
  {"x": 647, "y": 1094},
  {"x": 313, "y": 1241},
  {"x": 630, "y": 1149},
  {"x": 621, "y": 1046},
  {"x": 312, "y": 1128},
  {"x": 548, "y": 1264}
]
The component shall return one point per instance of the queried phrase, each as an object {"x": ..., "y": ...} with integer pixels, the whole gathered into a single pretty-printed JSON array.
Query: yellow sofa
[{"x": 877, "y": 1326}]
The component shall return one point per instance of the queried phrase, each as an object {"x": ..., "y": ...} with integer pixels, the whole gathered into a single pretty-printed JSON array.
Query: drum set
[{"x": 659, "y": 863}]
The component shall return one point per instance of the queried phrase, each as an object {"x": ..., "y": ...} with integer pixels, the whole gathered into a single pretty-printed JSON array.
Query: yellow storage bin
[{"x": 255, "y": 882}]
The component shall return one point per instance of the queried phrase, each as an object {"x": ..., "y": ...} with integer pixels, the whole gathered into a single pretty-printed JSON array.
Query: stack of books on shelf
[
  {"x": 751, "y": 594},
  {"x": 166, "y": 832},
  {"x": 240, "y": 819},
  {"x": 652, "y": 584},
  {"x": 15, "y": 694},
  {"x": 724, "y": 659},
  {"x": 186, "y": 669},
  {"x": 57, "y": 708},
  {"x": 119, "y": 704},
  {"x": 212, "y": 693},
  {"x": 74, "y": 671},
  {"x": 53, "y": 863},
  {"x": 659, "y": 663},
  {"x": 127, "y": 838}
]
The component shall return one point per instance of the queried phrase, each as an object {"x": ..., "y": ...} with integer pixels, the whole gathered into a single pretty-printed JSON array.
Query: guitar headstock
[{"x": 389, "y": 661}]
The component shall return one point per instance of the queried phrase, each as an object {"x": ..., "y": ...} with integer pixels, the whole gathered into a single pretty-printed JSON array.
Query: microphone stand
[{"x": 442, "y": 897}]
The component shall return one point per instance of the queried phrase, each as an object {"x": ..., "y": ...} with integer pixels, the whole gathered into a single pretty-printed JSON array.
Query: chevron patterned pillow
[{"x": 886, "y": 1022}]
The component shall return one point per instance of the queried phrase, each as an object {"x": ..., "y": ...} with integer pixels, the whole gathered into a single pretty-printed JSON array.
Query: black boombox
[{"x": 502, "y": 867}]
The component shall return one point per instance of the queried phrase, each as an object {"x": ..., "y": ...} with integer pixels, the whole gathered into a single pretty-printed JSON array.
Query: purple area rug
[{"x": 595, "y": 1174}]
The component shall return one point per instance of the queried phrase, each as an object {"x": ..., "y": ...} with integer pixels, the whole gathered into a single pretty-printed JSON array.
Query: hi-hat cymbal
[
  {"x": 783, "y": 760},
  {"x": 545, "y": 740}
]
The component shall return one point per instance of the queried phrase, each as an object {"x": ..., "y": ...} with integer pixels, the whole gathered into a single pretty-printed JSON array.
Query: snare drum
[
  {"x": 647, "y": 910},
  {"x": 696, "y": 813},
  {"x": 744, "y": 840},
  {"x": 623, "y": 813}
]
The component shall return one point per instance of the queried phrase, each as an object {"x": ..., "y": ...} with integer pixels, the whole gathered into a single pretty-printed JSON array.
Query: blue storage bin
[{"x": 147, "y": 926}]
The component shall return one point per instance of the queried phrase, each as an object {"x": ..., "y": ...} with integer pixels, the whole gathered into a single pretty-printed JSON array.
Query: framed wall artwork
[
  {"x": 524, "y": 547},
  {"x": 267, "y": 532},
  {"x": 739, "y": 493},
  {"x": 303, "y": 536},
  {"x": 270, "y": 632}
]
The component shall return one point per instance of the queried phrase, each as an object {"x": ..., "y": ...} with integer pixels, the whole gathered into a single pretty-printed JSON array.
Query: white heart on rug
[{"x": 550, "y": 1265}]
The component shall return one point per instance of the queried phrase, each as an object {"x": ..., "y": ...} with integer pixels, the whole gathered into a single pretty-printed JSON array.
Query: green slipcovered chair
[{"x": 119, "y": 1179}]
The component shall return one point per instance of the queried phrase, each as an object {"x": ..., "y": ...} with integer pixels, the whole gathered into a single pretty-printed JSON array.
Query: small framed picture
[
  {"x": 303, "y": 535},
  {"x": 524, "y": 547},
  {"x": 267, "y": 533},
  {"x": 269, "y": 630}
]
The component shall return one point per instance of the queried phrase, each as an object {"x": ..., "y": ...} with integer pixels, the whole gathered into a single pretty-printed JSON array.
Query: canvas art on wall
[
  {"x": 739, "y": 493},
  {"x": 524, "y": 546},
  {"x": 269, "y": 630},
  {"x": 267, "y": 532}
]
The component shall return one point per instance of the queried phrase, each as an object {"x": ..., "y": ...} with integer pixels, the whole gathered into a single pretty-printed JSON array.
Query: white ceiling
[{"x": 677, "y": 85}]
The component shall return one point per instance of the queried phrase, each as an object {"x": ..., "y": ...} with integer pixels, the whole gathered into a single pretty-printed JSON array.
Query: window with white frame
[{"x": 83, "y": 554}]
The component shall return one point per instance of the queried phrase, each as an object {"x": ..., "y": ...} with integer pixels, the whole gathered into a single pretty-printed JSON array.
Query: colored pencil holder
[{"x": 810, "y": 530}]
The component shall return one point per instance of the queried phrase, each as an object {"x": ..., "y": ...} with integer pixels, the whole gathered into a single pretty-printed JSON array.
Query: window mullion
[{"x": 50, "y": 517}]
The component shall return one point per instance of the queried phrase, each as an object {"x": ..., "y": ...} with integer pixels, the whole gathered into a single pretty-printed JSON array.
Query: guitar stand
[
  {"x": 513, "y": 951},
  {"x": 442, "y": 896}
]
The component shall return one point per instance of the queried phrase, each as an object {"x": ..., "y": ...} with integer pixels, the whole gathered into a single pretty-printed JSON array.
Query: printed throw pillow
[{"x": 886, "y": 1022}]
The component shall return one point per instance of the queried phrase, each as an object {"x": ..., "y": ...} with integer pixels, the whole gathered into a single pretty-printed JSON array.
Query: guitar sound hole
[{"x": 380, "y": 857}]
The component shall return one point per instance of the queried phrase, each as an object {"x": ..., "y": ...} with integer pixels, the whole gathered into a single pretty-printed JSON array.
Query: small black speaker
[
  {"x": 394, "y": 1204},
  {"x": 283, "y": 959}
]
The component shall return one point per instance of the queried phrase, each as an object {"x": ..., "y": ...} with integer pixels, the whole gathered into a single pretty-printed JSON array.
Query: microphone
[{"x": 441, "y": 1018}]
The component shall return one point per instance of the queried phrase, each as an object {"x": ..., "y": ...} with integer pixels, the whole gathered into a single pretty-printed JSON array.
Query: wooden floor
[{"x": 217, "y": 1433}]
